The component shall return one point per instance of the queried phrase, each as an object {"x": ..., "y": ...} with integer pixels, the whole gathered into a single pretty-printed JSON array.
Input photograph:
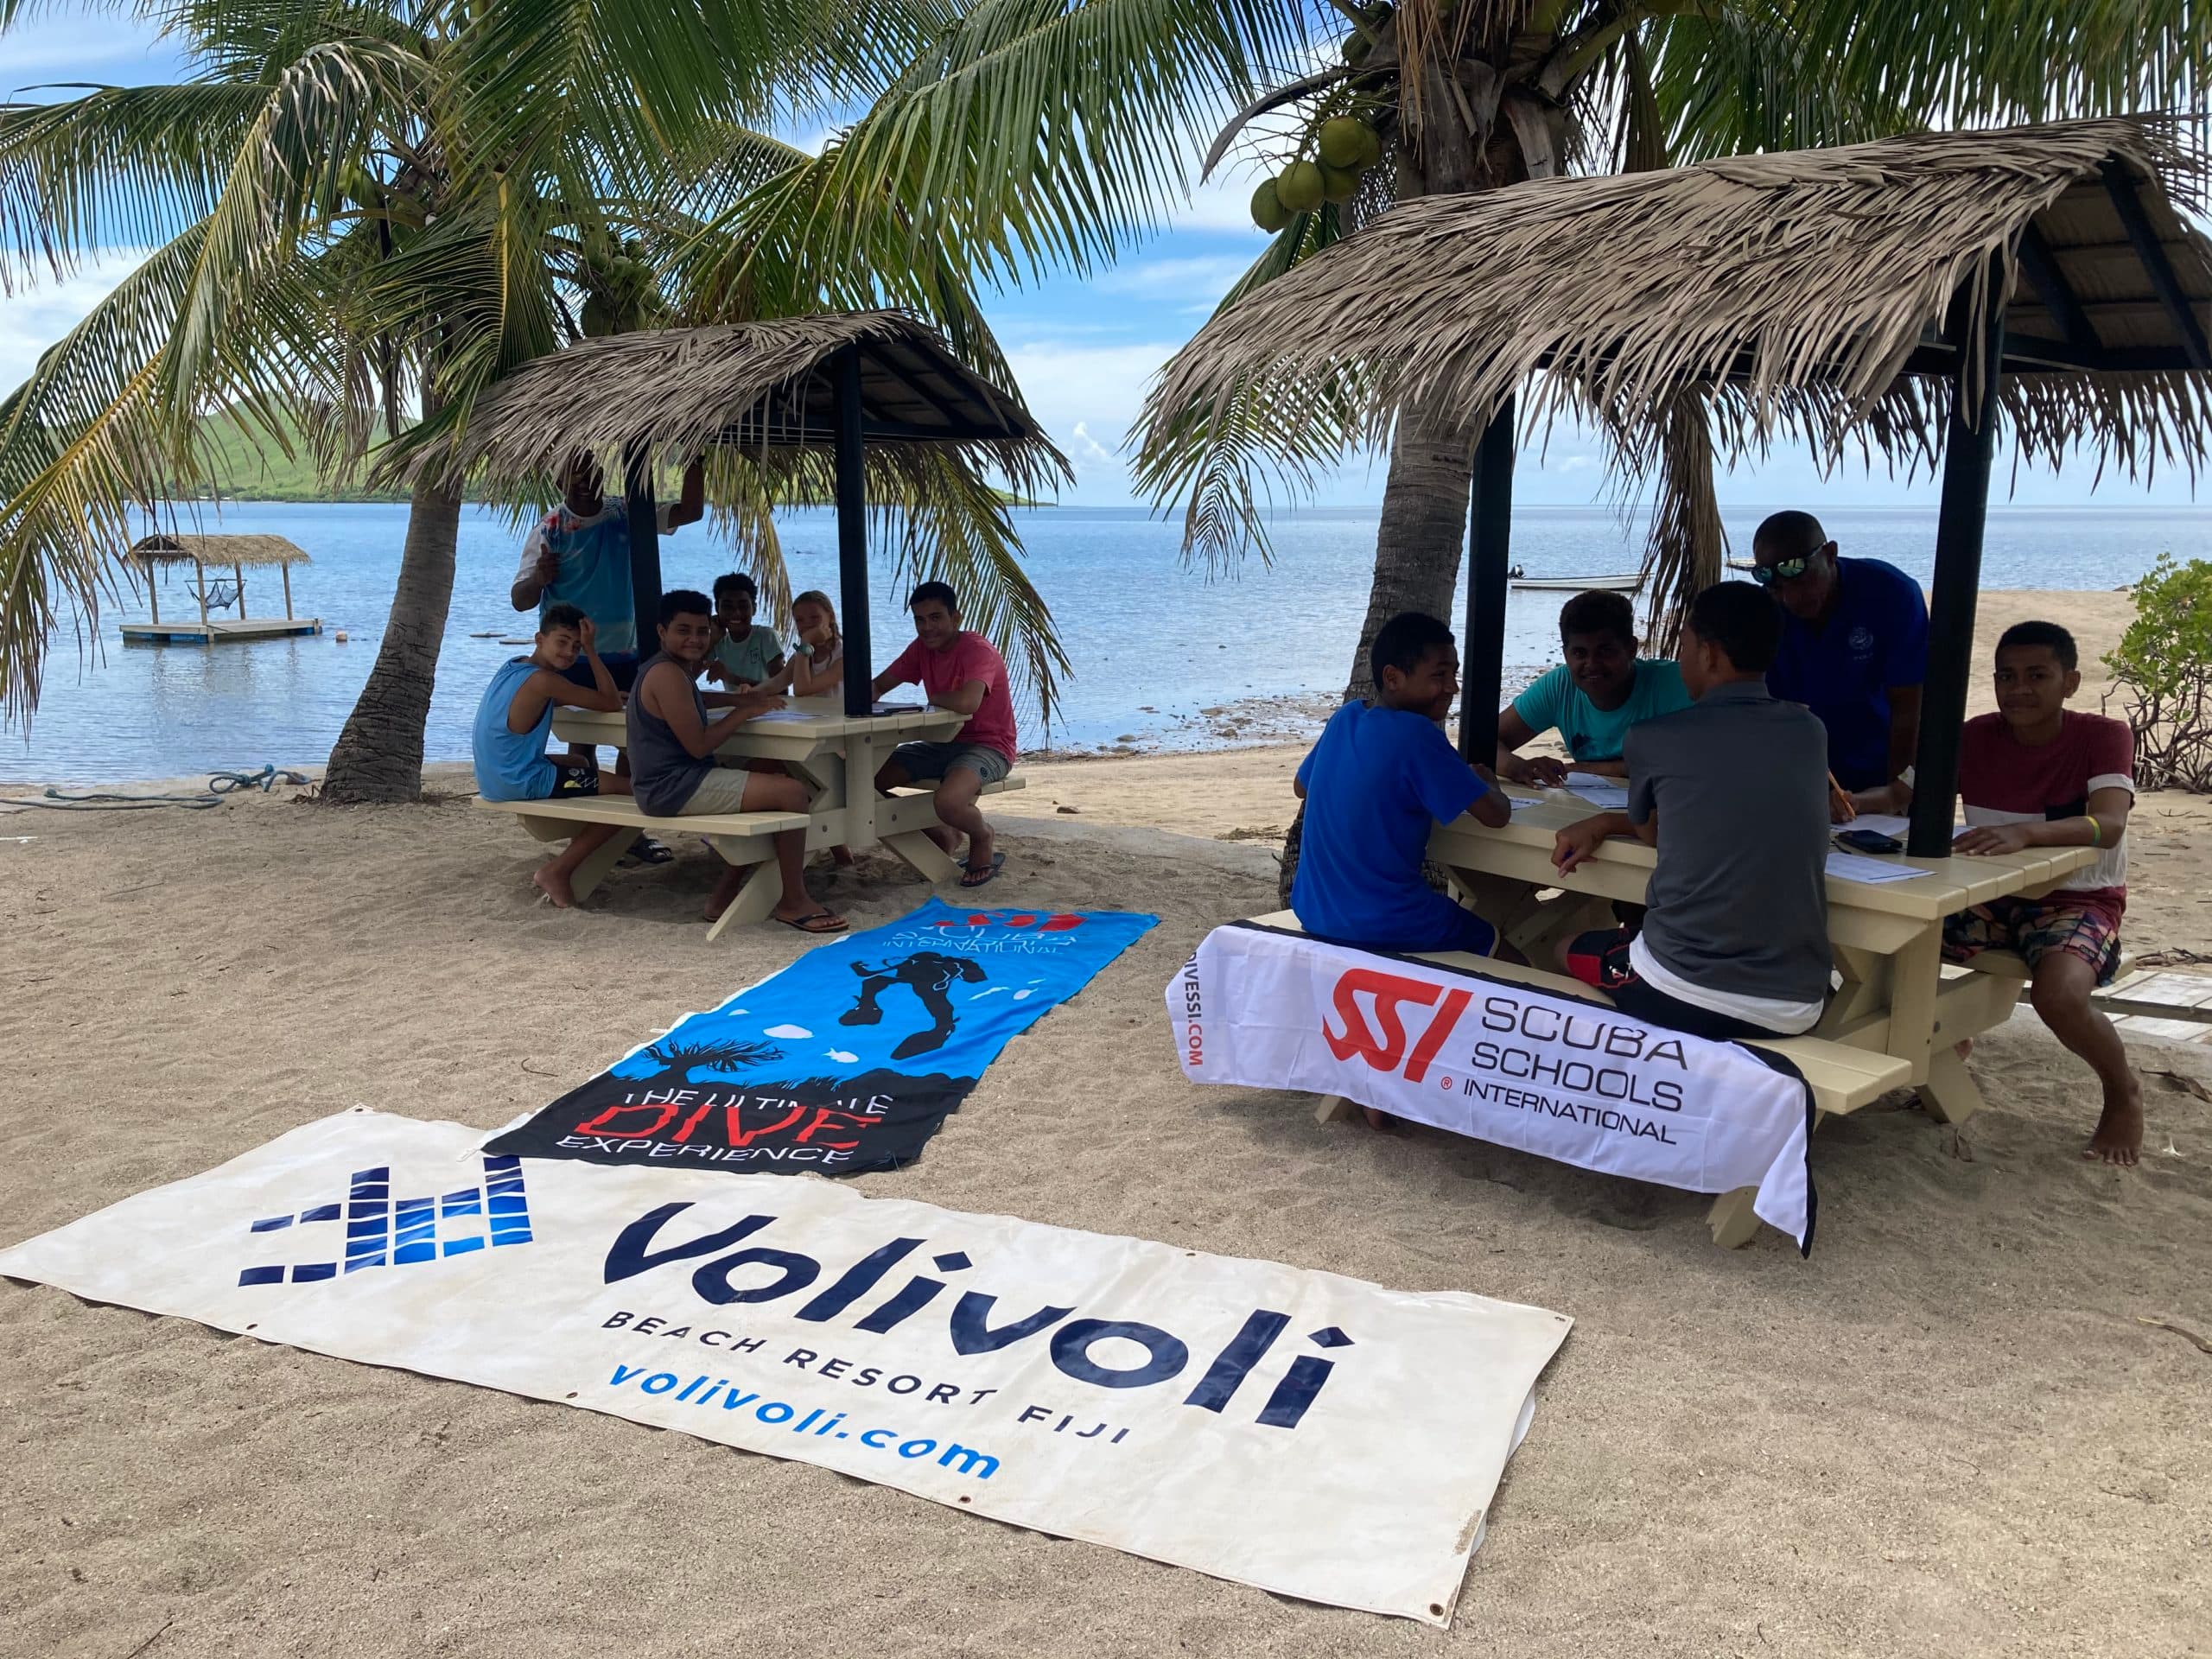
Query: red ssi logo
[
  {"x": 1388, "y": 992},
  {"x": 1060, "y": 922}
]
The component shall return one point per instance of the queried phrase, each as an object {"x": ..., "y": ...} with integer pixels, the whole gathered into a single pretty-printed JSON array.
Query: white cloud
[
  {"x": 1086, "y": 396},
  {"x": 30, "y": 321}
]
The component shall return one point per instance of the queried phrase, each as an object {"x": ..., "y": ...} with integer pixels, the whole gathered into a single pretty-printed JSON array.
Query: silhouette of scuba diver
[{"x": 928, "y": 975}]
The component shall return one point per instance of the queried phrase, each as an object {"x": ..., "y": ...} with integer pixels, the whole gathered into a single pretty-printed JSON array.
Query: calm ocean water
[{"x": 1152, "y": 642}]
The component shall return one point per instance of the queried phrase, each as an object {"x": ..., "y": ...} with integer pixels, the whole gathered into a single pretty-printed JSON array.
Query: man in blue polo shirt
[
  {"x": 1854, "y": 650},
  {"x": 579, "y": 554}
]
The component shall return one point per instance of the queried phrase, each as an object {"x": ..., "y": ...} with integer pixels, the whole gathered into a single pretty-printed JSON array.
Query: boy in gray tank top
[
  {"x": 1736, "y": 941},
  {"x": 673, "y": 740}
]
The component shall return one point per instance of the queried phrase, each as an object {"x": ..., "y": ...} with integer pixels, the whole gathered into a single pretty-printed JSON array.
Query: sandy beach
[{"x": 1949, "y": 1431}]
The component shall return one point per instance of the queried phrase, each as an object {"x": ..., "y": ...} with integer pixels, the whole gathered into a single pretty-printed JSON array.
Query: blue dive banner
[{"x": 846, "y": 1060}]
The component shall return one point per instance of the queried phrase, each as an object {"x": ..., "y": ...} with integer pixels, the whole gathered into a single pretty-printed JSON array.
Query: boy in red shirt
[
  {"x": 2036, "y": 774},
  {"x": 961, "y": 671}
]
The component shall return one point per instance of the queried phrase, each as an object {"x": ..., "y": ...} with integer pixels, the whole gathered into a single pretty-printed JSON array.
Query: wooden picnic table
[
  {"x": 1898, "y": 998},
  {"x": 836, "y": 755}
]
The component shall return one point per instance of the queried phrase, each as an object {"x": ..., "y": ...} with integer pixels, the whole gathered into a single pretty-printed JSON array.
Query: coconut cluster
[{"x": 1344, "y": 147}]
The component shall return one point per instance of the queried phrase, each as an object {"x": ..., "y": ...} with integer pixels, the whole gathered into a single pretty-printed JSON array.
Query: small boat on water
[
  {"x": 1628, "y": 582},
  {"x": 241, "y": 554}
]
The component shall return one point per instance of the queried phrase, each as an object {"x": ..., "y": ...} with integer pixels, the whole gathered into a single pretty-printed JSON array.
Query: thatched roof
[
  {"x": 1805, "y": 291},
  {"x": 765, "y": 387},
  {"x": 217, "y": 550}
]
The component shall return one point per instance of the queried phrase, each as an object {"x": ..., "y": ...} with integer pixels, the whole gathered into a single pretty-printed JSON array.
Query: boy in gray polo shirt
[{"x": 1736, "y": 942}]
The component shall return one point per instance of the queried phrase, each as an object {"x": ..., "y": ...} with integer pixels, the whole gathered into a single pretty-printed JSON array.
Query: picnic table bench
[
  {"x": 835, "y": 754},
  {"x": 1842, "y": 1077},
  {"x": 1897, "y": 997}
]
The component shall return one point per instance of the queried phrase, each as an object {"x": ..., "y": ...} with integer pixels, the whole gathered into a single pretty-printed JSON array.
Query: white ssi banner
[
  {"x": 1302, "y": 1432},
  {"x": 1486, "y": 1057}
]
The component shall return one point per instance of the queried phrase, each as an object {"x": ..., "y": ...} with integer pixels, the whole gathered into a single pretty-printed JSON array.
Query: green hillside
[{"x": 249, "y": 468}]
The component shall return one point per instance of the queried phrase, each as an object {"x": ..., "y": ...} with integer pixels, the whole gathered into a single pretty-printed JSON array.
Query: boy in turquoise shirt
[{"x": 1591, "y": 698}]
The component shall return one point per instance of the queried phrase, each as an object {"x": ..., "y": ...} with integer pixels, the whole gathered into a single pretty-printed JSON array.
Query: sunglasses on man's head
[{"x": 1786, "y": 569}]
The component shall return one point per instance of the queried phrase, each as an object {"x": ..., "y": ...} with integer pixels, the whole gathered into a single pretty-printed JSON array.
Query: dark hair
[
  {"x": 939, "y": 591},
  {"x": 1404, "y": 641},
  {"x": 560, "y": 616},
  {"x": 684, "y": 601},
  {"x": 1800, "y": 532},
  {"x": 1742, "y": 621},
  {"x": 738, "y": 580},
  {"x": 2049, "y": 634},
  {"x": 1598, "y": 612}
]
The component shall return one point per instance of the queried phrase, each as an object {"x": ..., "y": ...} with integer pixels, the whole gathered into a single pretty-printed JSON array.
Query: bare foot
[
  {"x": 1963, "y": 1047},
  {"x": 2118, "y": 1139},
  {"x": 724, "y": 894},
  {"x": 843, "y": 856},
  {"x": 554, "y": 885}
]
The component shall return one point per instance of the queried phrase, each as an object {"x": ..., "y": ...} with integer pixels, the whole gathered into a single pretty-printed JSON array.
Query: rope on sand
[{"x": 219, "y": 785}]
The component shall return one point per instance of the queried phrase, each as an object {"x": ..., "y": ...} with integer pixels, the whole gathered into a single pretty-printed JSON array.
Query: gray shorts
[{"x": 928, "y": 762}]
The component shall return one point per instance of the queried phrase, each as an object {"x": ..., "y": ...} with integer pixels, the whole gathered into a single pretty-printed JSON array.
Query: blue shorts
[
  {"x": 927, "y": 762},
  {"x": 621, "y": 667}
]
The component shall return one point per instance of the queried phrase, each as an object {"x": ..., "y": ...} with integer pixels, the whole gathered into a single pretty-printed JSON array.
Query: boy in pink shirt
[
  {"x": 961, "y": 671},
  {"x": 2038, "y": 774}
]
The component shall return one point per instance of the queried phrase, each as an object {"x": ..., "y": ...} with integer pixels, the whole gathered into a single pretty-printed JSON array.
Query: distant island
[{"x": 248, "y": 467}]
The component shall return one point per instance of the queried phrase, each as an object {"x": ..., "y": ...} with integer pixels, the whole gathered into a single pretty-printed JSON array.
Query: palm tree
[
  {"x": 1037, "y": 132},
  {"x": 362, "y": 206}
]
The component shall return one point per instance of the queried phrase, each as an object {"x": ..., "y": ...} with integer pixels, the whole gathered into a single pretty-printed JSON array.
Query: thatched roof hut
[
  {"x": 1806, "y": 291},
  {"x": 851, "y": 403},
  {"x": 1881, "y": 291},
  {"x": 765, "y": 387},
  {"x": 218, "y": 549}
]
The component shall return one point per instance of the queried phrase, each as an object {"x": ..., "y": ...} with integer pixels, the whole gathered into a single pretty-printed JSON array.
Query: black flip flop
[
  {"x": 800, "y": 923},
  {"x": 646, "y": 850},
  {"x": 975, "y": 878}
]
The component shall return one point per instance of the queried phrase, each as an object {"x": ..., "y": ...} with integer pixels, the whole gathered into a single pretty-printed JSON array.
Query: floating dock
[
  {"x": 241, "y": 554},
  {"x": 215, "y": 633}
]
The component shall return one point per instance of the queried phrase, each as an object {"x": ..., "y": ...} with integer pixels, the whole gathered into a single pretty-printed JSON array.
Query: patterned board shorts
[
  {"x": 579, "y": 775},
  {"x": 2033, "y": 928}
]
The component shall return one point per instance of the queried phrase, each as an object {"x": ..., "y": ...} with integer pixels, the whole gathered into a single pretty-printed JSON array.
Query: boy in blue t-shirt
[
  {"x": 1380, "y": 778},
  {"x": 1600, "y": 689}
]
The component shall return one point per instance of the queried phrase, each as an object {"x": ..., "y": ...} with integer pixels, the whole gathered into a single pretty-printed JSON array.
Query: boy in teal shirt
[
  {"x": 745, "y": 654},
  {"x": 1591, "y": 698}
]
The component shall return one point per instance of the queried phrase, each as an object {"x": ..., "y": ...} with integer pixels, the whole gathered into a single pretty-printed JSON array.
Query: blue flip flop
[{"x": 975, "y": 878}]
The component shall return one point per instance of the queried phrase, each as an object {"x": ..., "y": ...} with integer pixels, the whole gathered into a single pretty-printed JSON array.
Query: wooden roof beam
[
  {"x": 2120, "y": 184},
  {"x": 2041, "y": 268}
]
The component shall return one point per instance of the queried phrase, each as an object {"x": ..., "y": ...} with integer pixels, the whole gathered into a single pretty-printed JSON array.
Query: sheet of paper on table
[
  {"x": 1522, "y": 803},
  {"x": 1602, "y": 793},
  {"x": 897, "y": 708},
  {"x": 781, "y": 715},
  {"x": 1850, "y": 866}
]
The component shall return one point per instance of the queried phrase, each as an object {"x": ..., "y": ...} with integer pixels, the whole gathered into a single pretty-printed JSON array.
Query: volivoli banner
[
  {"x": 1486, "y": 1056},
  {"x": 846, "y": 1060},
  {"x": 1299, "y": 1431}
]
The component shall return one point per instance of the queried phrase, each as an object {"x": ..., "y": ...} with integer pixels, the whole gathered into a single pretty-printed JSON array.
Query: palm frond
[
  {"x": 1034, "y": 133},
  {"x": 88, "y": 439},
  {"x": 119, "y": 165}
]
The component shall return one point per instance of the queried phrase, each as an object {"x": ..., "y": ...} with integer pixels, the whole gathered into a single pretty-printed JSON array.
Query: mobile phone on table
[{"x": 1868, "y": 841}]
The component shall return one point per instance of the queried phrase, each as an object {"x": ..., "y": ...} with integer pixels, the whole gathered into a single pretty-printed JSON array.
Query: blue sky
[{"x": 1081, "y": 350}]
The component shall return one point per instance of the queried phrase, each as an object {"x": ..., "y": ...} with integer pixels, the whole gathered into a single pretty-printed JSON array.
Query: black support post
[
  {"x": 852, "y": 534},
  {"x": 1490, "y": 539},
  {"x": 1968, "y": 445},
  {"x": 643, "y": 513}
]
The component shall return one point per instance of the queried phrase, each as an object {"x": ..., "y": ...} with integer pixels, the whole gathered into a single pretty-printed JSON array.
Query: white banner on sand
[
  {"x": 1497, "y": 1060},
  {"x": 1302, "y": 1432}
]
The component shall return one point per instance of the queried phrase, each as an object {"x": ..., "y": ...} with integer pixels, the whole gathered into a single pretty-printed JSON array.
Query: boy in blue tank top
[{"x": 515, "y": 717}]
